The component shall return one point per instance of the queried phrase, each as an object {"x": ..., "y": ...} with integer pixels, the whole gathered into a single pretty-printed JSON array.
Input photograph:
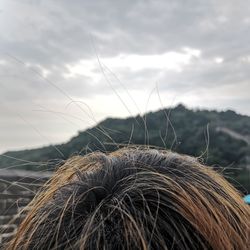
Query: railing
[{"x": 17, "y": 188}]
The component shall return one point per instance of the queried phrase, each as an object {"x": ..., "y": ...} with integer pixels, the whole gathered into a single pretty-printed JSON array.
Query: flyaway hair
[{"x": 135, "y": 199}]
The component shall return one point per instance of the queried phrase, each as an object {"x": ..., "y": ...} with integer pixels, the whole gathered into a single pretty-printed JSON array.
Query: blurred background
[{"x": 181, "y": 68}]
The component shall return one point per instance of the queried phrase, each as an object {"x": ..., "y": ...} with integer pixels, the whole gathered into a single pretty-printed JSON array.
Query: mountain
[{"x": 220, "y": 139}]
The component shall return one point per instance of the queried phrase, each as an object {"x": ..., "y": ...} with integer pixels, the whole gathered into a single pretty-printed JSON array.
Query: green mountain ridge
[{"x": 218, "y": 138}]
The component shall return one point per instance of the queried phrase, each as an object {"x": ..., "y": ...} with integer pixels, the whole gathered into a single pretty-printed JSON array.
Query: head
[{"x": 135, "y": 199}]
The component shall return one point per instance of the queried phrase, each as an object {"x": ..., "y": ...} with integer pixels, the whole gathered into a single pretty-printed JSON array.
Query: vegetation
[{"x": 219, "y": 139}]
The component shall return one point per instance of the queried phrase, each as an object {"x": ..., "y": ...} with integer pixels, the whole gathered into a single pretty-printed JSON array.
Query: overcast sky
[{"x": 64, "y": 65}]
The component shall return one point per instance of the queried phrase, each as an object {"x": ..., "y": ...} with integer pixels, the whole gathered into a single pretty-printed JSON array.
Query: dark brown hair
[{"x": 135, "y": 199}]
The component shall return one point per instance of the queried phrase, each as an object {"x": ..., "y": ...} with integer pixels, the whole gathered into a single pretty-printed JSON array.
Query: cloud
[
  {"x": 55, "y": 33},
  {"x": 195, "y": 51}
]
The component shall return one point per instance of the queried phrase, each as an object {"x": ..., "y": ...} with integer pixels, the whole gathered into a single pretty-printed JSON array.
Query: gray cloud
[
  {"x": 48, "y": 36},
  {"x": 53, "y": 33}
]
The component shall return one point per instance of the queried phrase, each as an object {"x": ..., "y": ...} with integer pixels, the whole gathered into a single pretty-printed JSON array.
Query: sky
[{"x": 66, "y": 65}]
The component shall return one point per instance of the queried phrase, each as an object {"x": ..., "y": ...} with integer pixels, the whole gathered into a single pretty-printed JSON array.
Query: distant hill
[{"x": 218, "y": 138}]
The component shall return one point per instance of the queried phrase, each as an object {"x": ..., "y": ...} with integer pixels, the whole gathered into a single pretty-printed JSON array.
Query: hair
[{"x": 135, "y": 199}]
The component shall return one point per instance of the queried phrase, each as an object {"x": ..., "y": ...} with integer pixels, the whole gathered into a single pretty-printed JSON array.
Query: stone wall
[{"x": 17, "y": 188}]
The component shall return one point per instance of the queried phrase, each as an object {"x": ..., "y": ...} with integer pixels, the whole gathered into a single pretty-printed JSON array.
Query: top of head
[{"x": 135, "y": 199}]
